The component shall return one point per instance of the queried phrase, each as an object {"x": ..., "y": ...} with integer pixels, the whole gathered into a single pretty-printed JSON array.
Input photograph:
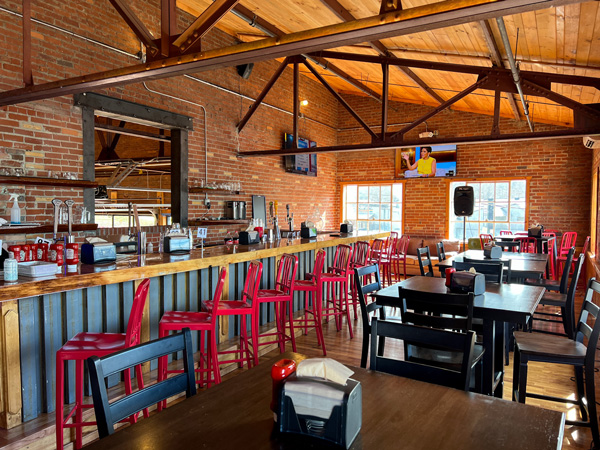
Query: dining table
[
  {"x": 501, "y": 303},
  {"x": 397, "y": 413},
  {"x": 523, "y": 265}
]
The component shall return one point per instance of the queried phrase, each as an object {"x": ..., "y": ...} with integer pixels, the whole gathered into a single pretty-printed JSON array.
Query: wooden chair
[
  {"x": 552, "y": 285},
  {"x": 424, "y": 258},
  {"x": 563, "y": 350},
  {"x": 566, "y": 303},
  {"x": 461, "y": 343},
  {"x": 450, "y": 311},
  {"x": 361, "y": 275},
  {"x": 441, "y": 251},
  {"x": 494, "y": 271},
  {"x": 107, "y": 414},
  {"x": 360, "y": 258}
]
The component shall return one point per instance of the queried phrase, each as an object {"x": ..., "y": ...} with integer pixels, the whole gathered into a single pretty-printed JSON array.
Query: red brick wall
[
  {"x": 560, "y": 170},
  {"x": 45, "y": 136}
]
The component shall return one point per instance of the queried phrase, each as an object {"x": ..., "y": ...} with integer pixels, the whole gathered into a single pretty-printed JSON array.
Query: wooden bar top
[{"x": 135, "y": 267}]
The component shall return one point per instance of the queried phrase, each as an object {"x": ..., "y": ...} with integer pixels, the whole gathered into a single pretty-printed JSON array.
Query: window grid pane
[
  {"x": 498, "y": 206},
  {"x": 373, "y": 207}
]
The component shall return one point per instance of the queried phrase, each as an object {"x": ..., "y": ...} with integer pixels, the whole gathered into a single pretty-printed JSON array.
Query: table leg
[{"x": 493, "y": 358}]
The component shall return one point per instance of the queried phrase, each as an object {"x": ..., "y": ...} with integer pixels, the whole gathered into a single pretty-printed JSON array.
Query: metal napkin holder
[
  {"x": 342, "y": 426},
  {"x": 463, "y": 282}
]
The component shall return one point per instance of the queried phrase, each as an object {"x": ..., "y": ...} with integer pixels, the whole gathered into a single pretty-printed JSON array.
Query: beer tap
[
  {"x": 69, "y": 204},
  {"x": 290, "y": 218}
]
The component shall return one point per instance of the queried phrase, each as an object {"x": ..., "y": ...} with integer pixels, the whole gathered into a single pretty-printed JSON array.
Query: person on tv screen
[{"x": 425, "y": 165}]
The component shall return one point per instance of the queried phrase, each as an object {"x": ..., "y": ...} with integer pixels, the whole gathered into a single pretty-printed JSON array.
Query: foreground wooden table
[
  {"x": 502, "y": 303},
  {"x": 397, "y": 413}
]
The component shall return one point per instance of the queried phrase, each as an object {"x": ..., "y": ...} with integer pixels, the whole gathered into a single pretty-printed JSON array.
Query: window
[
  {"x": 499, "y": 205},
  {"x": 373, "y": 207}
]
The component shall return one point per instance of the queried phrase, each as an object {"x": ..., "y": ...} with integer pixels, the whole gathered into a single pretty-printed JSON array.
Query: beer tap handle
[
  {"x": 70, "y": 204},
  {"x": 56, "y": 203}
]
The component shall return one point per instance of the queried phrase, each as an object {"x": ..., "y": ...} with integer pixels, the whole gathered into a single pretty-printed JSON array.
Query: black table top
[
  {"x": 396, "y": 413},
  {"x": 513, "y": 302}
]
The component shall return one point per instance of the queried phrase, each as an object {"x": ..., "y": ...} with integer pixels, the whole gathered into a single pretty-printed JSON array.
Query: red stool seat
[{"x": 84, "y": 345}]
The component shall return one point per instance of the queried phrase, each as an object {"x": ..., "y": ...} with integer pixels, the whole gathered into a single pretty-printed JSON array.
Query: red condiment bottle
[
  {"x": 26, "y": 249},
  {"x": 42, "y": 252},
  {"x": 72, "y": 256},
  {"x": 16, "y": 249}
]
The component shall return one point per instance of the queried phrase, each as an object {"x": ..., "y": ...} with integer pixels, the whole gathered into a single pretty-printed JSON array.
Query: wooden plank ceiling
[{"x": 564, "y": 40}]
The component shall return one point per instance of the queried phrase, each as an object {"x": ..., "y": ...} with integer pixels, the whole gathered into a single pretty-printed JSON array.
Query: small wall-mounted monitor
[{"x": 303, "y": 164}]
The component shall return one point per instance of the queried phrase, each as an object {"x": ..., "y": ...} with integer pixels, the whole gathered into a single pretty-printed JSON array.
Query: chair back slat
[
  {"x": 402, "y": 245},
  {"x": 462, "y": 343},
  {"x": 566, "y": 242},
  {"x": 286, "y": 273},
  {"x": 424, "y": 258},
  {"x": 418, "y": 308},
  {"x": 485, "y": 239},
  {"x": 527, "y": 244},
  {"x": 218, "y": 294},
  {"x": 494, "y": 271},
  {"x": 360, "y": 255},
  {"x": 342, "y": 258},
  {"x": 361, "y": 274},
  {"x": 377, "y": 249},
  {"x": 134, "y": 325},
  {"x": 107, "y": 414},
  {"x": 441, "y": 251},
  {"x": 591, "y": 332},
  {"x": 564, "y": 278},
  {"x": 252, "y": 283},
  {"x": 570, "y": 303}
]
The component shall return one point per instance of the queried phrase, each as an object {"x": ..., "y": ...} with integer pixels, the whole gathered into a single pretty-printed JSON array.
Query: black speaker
[
  {"x": 244, "y": 70},
  {"x": 464, "y": 200}
]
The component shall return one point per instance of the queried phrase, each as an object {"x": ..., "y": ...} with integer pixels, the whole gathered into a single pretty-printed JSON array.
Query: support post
[
  {"x": 179, "y": 176},
  {"x": 384, "y": 99},
  {"x": 296, "y": 103},
  {"x": 168, "y": 25},
  {"x": 89, "y": 171},
  {"x": 27, "y": 73},
  {"x": 10, "y": 367},
  {"x": 496, "y": 126}
]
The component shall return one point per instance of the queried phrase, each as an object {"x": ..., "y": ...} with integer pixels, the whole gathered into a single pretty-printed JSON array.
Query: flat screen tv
[
  {"x": 303, "y": 164},
  {"x": 414, "y": 163}
]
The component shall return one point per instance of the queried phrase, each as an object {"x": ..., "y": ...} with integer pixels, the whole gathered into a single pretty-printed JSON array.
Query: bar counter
[{"x": 40, "y": 315}]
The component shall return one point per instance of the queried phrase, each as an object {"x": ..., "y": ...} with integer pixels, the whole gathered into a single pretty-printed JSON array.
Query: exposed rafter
[
  {"x": 338, "y": 9},
  {"x": 414, "y": 20},
  {"x": 136, "y": 25}
]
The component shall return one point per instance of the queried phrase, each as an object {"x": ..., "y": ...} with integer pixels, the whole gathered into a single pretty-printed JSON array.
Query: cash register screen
[{"x": 259, "y": 208}]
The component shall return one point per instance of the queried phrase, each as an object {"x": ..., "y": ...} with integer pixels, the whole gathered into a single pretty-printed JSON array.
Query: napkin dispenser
[
  {"x": 321, "y": 409},
  {"x": 535, "y": 232},
  {"x": 249, "y": 237},
  {"x": 308, "y": 232},
  {"x": 346, "y": 228},
  {"x": 492, "y": 252},
  {"x": 176, "y": 244},
  {"x": 462, "y": 282},
  {"x": 101, "y": 252}
]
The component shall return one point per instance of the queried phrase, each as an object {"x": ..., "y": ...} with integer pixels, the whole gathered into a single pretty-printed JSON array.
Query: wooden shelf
[
  {"x": 201, "y": 190},
  {"x": 197, "y": 222},
  {"x": 38, "y": 181},
  {"x": 15, "y": 229}
]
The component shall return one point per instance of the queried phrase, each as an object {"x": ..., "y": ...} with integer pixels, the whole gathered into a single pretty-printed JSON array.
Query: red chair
[
  {"x": 399, "y": 256},
  {"x": 527, "y": 244},
  {"x": 485, "y": 239},
  {"x": 246, "y": 306},
  {"x": 282, "y": 297},
  {"x": 337, "y": 276},
  {"x": 385, "y": 262},
  {"x": 204, "y": 322},
  {"x": 377, "y": 251},
  {"x": 551, "y": 260},
  {"x": 313, "y": 305},
  {"x": 505, "y": 233},
  {"x": 360, "y": 258},
  {"x": 81, "y": 347},
  {"x": 567, "y": 241}
]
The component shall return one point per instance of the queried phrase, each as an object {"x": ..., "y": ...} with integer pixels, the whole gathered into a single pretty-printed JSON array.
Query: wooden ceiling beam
[
  {"x": 203, "y": 23},
  {"x": 343, "y": 14},
  {"x": 497, "y": 61},
  {"x": 414, "y": 20},
  {"x": 268, "y": 28}
]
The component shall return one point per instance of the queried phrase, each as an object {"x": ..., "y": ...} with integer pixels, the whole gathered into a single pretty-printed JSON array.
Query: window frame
[
  {"x": 391, "y": 182},
  {"x": 450, "y": 195}
]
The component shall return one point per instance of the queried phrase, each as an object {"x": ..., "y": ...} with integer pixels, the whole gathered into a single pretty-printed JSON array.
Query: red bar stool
[
  {"x": 567, "y": 241},
  {"x": 360, "y": 258},
  {"x": 551, "y": 260},
  {"x": 204, "y": 322},
  {"x": 282, "y": 297},
  {"x": 313, "y": 303},
  {"x": 386, "y": 258},
  {"x": 399, "y": 255},
  {"x": 247, "y": 306},
  {"x": 338, "y": 276},
  {"x": 505, "y": 233},
  {"x": 81, "y": 347}
]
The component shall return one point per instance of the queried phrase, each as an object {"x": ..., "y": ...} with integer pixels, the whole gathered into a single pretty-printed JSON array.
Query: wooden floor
[{"x": 542, "y": 378}]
